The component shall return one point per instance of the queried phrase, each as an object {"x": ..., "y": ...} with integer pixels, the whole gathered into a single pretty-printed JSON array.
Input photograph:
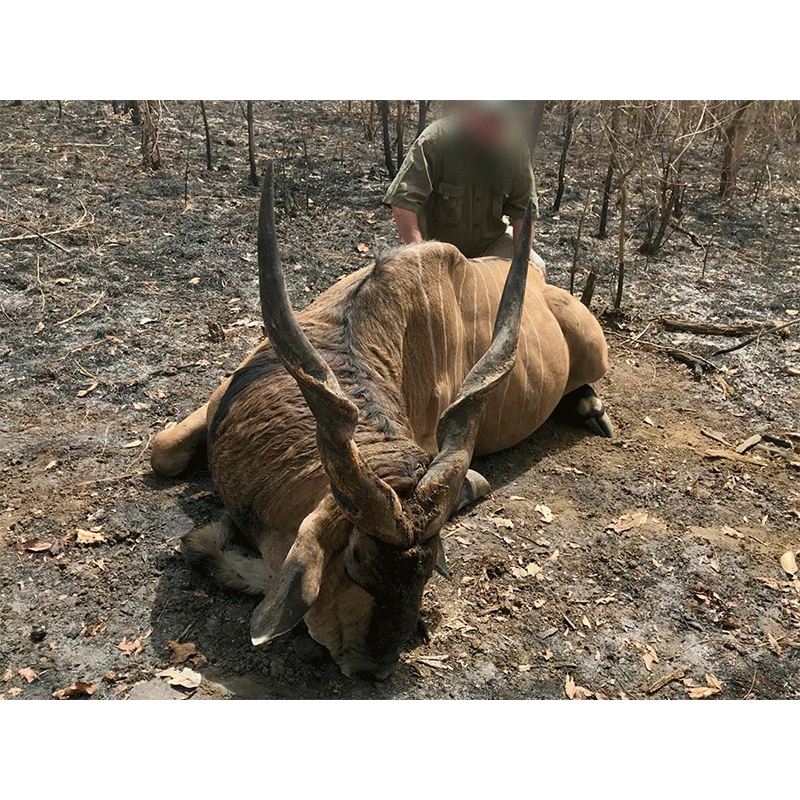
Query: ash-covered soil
[{"x": 638, "y": 567}]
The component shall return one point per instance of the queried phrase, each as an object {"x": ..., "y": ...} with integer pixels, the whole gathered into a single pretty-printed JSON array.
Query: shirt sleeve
[
  {"x": 413, "y": 184},
  {"x": 523, "y": 189}
]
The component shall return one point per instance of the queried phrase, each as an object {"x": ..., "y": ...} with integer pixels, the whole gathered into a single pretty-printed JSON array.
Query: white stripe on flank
[
  {"x": 460, "y": 370},
  {"x": 430, "y": 332},
  {"x": 488, "y": 309},
  {"x": 446, "y": 365},
  {"x": 539, "y": 361},
  {"x": 473, "y": 358},
  {"x": 521, "y": 419}
]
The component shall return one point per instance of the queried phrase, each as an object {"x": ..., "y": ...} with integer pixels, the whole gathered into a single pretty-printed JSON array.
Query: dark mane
[{"x": 381, "y": 407}]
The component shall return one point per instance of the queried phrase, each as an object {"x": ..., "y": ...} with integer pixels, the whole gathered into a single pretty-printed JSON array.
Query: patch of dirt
[{"x": 659, "y": 562}]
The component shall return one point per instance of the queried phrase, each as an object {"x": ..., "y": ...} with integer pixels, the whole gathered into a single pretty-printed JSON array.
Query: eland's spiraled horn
[
  {"x": 457, "y": 430},
  {"x": 369, "y": 502}
]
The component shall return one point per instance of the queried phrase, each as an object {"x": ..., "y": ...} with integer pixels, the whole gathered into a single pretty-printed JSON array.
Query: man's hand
[{"x": 407, "y": 225}]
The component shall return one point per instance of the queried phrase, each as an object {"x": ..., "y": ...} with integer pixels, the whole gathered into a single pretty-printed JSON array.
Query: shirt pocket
[{"x": 449, "y": 203}]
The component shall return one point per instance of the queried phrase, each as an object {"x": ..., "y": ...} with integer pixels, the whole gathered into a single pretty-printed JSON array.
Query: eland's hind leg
[
  {"x": 583, "y": 406},
  {"x": 588, "y": 357},
  {"x": 174, "y": 448}
]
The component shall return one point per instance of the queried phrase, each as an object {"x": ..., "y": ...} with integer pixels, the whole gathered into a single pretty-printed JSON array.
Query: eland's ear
[
  {"x": 297, "y": 587},
  {"x": 296, "y": 590}
]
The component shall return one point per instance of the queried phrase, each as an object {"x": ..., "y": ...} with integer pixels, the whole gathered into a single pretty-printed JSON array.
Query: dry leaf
[
  {"x": 648, "y": 421},
  {"x": 90, "y": 388},
  {"x": 701, "y": 692},
  {"x": 28, "y": 674},
  {"x": 713, "y": 687},
  {"x": 51, "y": 464},
  {"x": 650, "y": 657},
  {"x": 502, "y": 522},
  {"x": 136, "y": 646},
  {"x": 713, "y": 681},
  {"x": 7, "y": 676},
  {"x": 194, "y": 281},
  {"x": 134, "y": 443},
  {"x": 36, "y": 545},
  {"x": 773, "y": 643},
  {"x": 185, "y": 678},
  {"x": 789, "y": 562},
  {"x": 181, "y": 652},
  {"x": 574, "y": 692},
  {"x": 362, "y": 247},
  {"x": 547, "y": 514},
  {"x": 628, "y": 521},
  {"x": 75, "y": 691},
  {"x": 88, "y": 537}
]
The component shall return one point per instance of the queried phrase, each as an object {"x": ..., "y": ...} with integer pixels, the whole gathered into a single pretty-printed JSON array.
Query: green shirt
[{"x": 460, "y": 193}]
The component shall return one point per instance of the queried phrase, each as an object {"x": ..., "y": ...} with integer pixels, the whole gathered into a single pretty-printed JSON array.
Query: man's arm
[
  {"x": 407, "y": 225},
  {"x": 411, "y": 188},
  {"x": 516, "y": 226}
]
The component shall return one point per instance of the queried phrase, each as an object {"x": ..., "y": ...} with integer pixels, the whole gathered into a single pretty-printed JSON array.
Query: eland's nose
[{"x": 359, "y": 666}]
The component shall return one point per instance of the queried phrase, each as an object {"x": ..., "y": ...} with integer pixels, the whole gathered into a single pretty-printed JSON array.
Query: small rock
[{"x": 38, "y": 634}]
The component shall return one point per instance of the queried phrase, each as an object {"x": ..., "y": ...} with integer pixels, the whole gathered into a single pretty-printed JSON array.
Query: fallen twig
[
  {"x": 666, "y": 679},
  {"x": 684, "y": 356},
  {"x": 39, "y": 281},
  {"x": 728, "y": 456},
  {"x": 716, "y": 437},
  {"x": 756, "y": 337},
  {"x": 34, "y": 234},
  {"x": 713, "y": 328},
  {"x": 84, "y": 311},
  {"x": 112, "y": 478}
]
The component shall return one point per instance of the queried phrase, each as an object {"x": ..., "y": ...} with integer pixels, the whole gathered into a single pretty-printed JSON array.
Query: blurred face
[
  {"x": 369, "y": 603},
  {"x": 486, "y": 126}
]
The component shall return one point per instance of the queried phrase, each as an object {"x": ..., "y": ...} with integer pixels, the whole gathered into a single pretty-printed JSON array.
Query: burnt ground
[{"x": 647, "y": 559}]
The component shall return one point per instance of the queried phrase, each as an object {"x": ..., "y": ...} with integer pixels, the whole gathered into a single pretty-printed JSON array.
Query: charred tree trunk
[
  {"x": 251, "y": 151},
  {"x": 208, "y": 133},
  {"x": 623, "y": 213},
  {"x": 387, "y": 144},
  {"x": 151, "y": 153},
  {"x": 399, "y": 130},
  {"x": 588, "y": 288},
  {"x": 734, "y": 135},
  {"x": 188, "y": 152},
  {"x": 569, "y": 120},
  {"x": 422, "y": 119},
  {"x": 612, "y": 164},
  {"x": 578, "y": 243}
]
